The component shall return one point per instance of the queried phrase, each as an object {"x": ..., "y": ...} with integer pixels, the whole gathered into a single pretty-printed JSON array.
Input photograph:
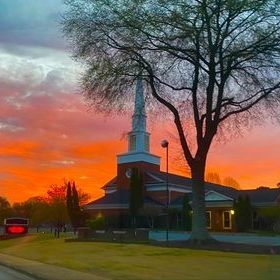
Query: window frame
[
  {"x": 210, "y": 219},
  {"x": 230, "y": 221}
]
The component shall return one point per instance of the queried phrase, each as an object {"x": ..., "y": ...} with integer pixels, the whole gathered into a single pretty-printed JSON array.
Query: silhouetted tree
[
  {"x": 69, "y": 200},
  {"x": 70, "y": 204},
  {"x": 76, "y": 206},
  {"x": 151, "y": 212},
  {"x": 136, "y": 195},
  {"x": 231, "y": 182},
  {"x": 56, "y": 197},
  {"x": 38, "y": 211},
  {"x": 243, "y": 213},
  {"x": 73, "y": 205},
  {"x": 213, "y": 177},
  {"x": 5, "y": 209},
  {"x": 83, "y": 197},
  {"x": 206, "y": 61},
  {"x": 186, "y": 213}
]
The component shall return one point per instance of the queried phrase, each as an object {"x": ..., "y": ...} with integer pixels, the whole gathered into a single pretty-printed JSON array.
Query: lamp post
[{"x": 164, "y": 144}]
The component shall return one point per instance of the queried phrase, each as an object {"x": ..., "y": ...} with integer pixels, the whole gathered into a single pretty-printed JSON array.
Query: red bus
[{"x": 16, "y": 226}]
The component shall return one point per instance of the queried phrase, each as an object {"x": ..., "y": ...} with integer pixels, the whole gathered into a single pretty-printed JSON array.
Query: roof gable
[
  {"x": 215, "y": 196},
  {"x": 118, "y": 199},
  {"x": 111, "y": 183}
]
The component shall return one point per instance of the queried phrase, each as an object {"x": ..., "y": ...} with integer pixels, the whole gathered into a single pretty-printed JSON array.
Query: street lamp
[{"x": 164, "y": 144}]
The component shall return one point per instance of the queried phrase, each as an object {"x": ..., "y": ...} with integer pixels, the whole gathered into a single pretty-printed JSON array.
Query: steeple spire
[
  {"x": 138, "y": 137},
  {"x": 139, "y": 116}
]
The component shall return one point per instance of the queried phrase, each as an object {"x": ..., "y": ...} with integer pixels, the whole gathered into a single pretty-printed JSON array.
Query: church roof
[
  {"x": 119, "y": 197},
  {"x": 262, "y": 195},
  {"x": 111, "y": 183},
  {"x": 257, "y": 196},
  {"x": 160, "y": 178}
]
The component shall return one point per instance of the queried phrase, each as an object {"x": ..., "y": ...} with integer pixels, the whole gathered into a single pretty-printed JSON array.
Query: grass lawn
[{"x": 135, "y": 262}]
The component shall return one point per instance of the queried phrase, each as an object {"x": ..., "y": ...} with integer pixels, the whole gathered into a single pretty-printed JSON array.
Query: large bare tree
[{"x": 206, "y": 61}]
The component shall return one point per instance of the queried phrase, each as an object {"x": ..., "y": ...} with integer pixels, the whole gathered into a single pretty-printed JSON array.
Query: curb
[
  {"x": 24, "y": 272},
  {"x": 42, "y": 271}
]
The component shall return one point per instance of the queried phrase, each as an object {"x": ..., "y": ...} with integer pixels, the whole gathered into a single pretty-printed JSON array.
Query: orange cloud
[
  {"x": 47, "y": 135},
  {"x": 19, "y": 149}
]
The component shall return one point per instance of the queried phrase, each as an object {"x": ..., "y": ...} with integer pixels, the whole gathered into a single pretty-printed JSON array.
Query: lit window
[
  {"x": 208, "y": 219},
  {"x": 226, "y": 219}
]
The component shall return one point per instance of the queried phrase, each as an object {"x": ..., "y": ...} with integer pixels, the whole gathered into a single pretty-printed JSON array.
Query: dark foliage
[
  {"x": 73, "y": 206},
  {"x": 98, "y": 223},
  {"x": 136, "y": 194},
  {"x": 243, "y": 213},
  {"x": 186, "y": 213}
]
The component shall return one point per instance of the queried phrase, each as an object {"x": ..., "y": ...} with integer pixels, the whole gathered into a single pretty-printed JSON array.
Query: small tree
[
  {"x": 5, "y": 209},
  {"x": 231, "y": 182},
  {"x": 213, "y": 177},
  {"x": 38, "y": 211},
  {"x": 136, "y": 195},
  {"x": 243, "y": 213},
  {"x": 73, "y": 205},
  {"x": 69, "y": 201},
  {"x": 76, "y": 206},
  {"x": 186, "y": 213},
  {"x": 97, "y": 223},
  {"x": 151, "y": 212},
  {"x": 56, "y": 197}
]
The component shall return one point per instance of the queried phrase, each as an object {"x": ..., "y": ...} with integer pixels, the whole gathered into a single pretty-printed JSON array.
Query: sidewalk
[
  {"x": 242, "y": 238},
  {"x": 45, "y": 271}
]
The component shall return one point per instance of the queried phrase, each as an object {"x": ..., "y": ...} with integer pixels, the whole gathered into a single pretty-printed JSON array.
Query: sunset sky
[{"x": 48, "y": 133}]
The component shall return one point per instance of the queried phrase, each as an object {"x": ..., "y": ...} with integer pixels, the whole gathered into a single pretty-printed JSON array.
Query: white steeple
[
  {"x": 139, "y": 116},
  {"x": 138, "y": 137}
]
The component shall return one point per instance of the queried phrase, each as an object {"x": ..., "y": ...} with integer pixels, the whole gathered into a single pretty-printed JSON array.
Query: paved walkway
[
  {"x": 45, "y": 271},
  {"x": 10, "y": 274},
  {"x": 243, "y": 238}
]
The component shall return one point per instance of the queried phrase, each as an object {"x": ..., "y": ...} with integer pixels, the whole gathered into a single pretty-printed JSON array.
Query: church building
[{"x": 219, "y": 199}]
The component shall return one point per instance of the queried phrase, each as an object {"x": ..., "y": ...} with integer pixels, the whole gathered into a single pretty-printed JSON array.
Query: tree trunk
[{"x": 199, "y": 230}]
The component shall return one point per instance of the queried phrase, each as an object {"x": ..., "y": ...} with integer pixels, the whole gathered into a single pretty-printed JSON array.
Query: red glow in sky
[{"x": 48, "y": 134}]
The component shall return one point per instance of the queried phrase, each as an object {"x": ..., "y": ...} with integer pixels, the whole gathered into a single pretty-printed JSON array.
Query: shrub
[
  {"x": 243, "y": 213},
  {"x": 270, "y": 218},
  {"x": 97, "y": 223}
]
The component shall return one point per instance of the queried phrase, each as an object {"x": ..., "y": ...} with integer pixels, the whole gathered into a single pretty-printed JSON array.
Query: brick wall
[{"x": 123, "y": 181}]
